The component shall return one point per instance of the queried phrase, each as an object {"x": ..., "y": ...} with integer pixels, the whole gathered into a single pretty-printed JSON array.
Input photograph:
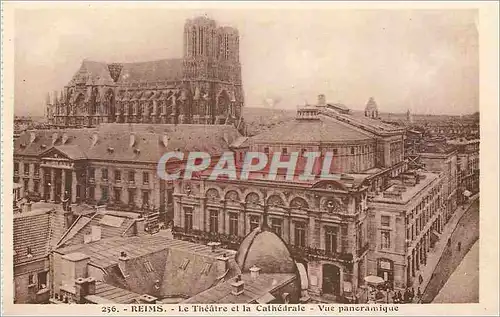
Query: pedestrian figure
[
  {"x": 420, "y": 279},
  {"x": 400, "y": 297},
  {"x": 419, "y": 293},
  {"x": 412, "y": 294},
  {"x": 406, "y": 297},
  {"x": 65, "y": 200}
]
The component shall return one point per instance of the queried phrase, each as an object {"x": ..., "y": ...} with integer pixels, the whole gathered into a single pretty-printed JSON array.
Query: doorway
[{"x": 331, "y": 279}]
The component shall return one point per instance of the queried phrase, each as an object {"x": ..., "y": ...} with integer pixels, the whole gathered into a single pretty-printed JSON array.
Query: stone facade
[{"x": 204, "y": 86}]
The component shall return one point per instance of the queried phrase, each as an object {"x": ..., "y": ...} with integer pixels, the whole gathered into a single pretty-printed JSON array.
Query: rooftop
[
  {"x": 131, "y": 142},
  {"x": 255, "y": 290},
  {"x": 402, "y": 194},
  {"x": 324, "y": 129},
  {"x": 36, "y": 232}
]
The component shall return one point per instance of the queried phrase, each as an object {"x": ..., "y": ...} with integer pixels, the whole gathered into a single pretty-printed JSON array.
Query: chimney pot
[
  {"x": 254, "y": 272},
  {"x": 147, "y": 299},
  {"x": 238, "y": 286}
]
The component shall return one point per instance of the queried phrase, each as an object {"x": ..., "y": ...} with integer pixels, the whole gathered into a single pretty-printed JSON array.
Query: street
[
  {"x": 463, "y": 284},
  {"x": 462, "y": 239}
]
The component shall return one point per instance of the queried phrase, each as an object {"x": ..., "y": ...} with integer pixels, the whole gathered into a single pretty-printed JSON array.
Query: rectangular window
[
  {"x": 148, "y": 266},
  {"x": 91, "y": 192},
  {"x": 188, "y": 219},
  {"x": 352, "y": 150},
  {"x": 214, "y": 221},
  {"x": 26, "y": 169},
  {"x": 42, "y": 280},
  {"x": 29, "y": 252},
  {"x": 360, "y": 236},
  {"x": 254, "y": 222},
  {"x": 36, "y": 186},
  {"x": 300, "y": 234},
  {"x": 118, "y": 176},
  {"x": 266, "y": 150},
  {"x": 145, "y": 177},
  {"x": 37, "y": 169},
  {"x": 335, "y": 151},
  {"x": 91, "y": 174},
  {"x": 303, "y": 151},
  {"x": 131, "y": 177},
  {"x": 26, "y": 184},
  {"x": 284, "y": 151},
  {"x": 131, "y": 196},
  {"x": 385, "y": 221},
  {"x": 233, "y": 224},
  {"x": 331, "y": 240},
  {"x": 118, "y": 194},
  {"x": 385, "y": 242},
  {"x": 170, "y": 196},
  {"x": 104, "y": 173},
  {"x": 145, "y": 198},
  {"x": 31, "y": 279},
  {"x": 104, "y": 193},
  {"x": 16, "y": 167},
  {"x": 276, "y": 225}
]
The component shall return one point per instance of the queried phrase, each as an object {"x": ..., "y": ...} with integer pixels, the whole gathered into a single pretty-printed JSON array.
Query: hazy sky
[{"x": 426, "y": 61}]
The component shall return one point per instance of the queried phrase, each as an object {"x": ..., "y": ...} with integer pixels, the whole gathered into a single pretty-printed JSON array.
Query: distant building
[
  {"x": 468, "y": 166},
  {"x": 204, "y": 86}
]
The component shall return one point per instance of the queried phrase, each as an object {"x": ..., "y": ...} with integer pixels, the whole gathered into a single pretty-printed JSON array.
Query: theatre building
[{"x": 325, "y": 222}]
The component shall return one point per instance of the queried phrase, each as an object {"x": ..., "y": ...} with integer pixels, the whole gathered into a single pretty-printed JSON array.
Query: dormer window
[
  {"x": 284, "y": 151},
  {"x": 184, "y": 264},
  {"x": 206, "y": 268},
  {"x": 29, "y": 252},
  {"x": 266, "y": 150},
  {"x": 148, "y": 266}
]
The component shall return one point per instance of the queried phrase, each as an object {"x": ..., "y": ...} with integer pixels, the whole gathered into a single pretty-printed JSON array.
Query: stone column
[
  {"x": 311, "y": 232},
  {"x": 52, "y": 185},
  {"x": 42, "y": 181},
  {"x": 63, "y": 183},
  {"x": 203, "y": 207},
  {"x": 73, "y": 186}
]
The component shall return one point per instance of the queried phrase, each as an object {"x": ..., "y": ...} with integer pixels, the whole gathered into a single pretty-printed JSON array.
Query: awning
[
  {"x": 374, "y": 280},
  {"x": 434, "y": 236}
]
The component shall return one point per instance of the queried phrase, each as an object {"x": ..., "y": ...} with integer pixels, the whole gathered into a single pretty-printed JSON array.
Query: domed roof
[{"x": 265, "y": 250}]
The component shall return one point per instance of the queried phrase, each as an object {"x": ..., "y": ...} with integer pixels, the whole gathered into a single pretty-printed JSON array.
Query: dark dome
[{"x": 265, "y": 250}]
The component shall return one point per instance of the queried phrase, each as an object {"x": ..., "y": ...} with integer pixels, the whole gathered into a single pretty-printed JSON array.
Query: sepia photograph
[{"x": 278, "y": 157}]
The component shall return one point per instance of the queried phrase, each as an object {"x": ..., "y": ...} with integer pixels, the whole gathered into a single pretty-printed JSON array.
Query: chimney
[
  {"x": 91, "y": 285},
  {"x": 68, "y": 218},
  {"x": 321, "y": 100},
  {"x": 140, "y": 226},
  {"x": 237, "y": 286},
  {"x": 254, "y": 272},
  {"x": 147, "y": 299},
  {"x": 74, "y": 266},
  {"x": 81, "y": 289},
  {"x": 122, "y": 263},
  {"x": 222, "y": 263},
  {"x": 213, "y": 245}
]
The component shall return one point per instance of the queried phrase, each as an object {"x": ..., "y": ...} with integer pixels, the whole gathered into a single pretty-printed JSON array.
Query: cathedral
[{"x": 202, "y": 87}]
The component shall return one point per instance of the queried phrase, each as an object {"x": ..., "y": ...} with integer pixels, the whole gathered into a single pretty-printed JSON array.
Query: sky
[{"x": 425, "y": 61}]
